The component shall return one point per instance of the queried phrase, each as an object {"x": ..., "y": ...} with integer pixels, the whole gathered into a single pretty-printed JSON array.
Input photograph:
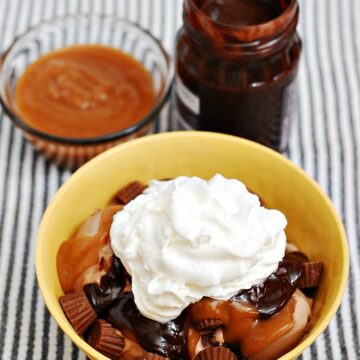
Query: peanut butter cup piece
[
  {"x": 209, "y": 324},
  {"x": 209, "y": 339},
  {"x": 106, "y": 339},
  {"x": 130, "y": 192},
  {"x": 296, "y": 256},
  {"x": 78, "y": 310},
  {"x": 311, "y": 274},
  {"x": 153, "y": 356},
  {"x": 215, "y": 353}
]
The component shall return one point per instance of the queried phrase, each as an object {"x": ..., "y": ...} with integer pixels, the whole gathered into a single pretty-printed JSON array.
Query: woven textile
[{"x": 325, "y": 141}]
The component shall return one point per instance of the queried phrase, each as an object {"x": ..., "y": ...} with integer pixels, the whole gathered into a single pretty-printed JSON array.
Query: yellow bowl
[{"x": 312, "y": 221}]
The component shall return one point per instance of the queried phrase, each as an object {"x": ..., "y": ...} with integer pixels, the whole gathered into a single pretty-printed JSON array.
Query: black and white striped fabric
[{"x": 325, "y": 142}]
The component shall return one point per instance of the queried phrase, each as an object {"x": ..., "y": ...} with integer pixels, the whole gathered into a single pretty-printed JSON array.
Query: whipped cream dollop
[{"x": 188, "y": 238}]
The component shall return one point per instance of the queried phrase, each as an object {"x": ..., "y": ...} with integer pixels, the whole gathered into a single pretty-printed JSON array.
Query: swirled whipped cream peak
[{"x": 188, "y": 238}]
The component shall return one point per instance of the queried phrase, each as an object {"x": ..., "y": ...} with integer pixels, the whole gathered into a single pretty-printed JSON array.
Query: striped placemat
[{"x": 325, "y": 142}]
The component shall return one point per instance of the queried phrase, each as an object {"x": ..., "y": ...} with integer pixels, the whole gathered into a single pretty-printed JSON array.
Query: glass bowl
[{"x": 80, "y": 30}]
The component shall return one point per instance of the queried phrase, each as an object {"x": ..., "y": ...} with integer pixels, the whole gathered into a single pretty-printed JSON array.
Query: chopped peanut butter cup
[
  {"x": 78, "y": 310},
  {"x": 296, "y": 256},
  {"x": 106, "y": 339},
  {"x": 311, "y": 275},
  {"x": 210, "y": 339},
  {"x": 215, "y": 353},
  {"x": 207, "y": 339},
  {"x": 130, "y": 192},
  {"x": 152, "y": 356},
  {"x": 209, "y": 324}
]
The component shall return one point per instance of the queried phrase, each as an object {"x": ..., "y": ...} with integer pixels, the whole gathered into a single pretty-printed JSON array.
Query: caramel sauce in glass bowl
[{"x": 84, "y": 91}]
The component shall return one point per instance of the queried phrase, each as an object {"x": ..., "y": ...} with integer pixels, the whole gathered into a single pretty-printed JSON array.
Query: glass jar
[{"x": 236, "y": 68}]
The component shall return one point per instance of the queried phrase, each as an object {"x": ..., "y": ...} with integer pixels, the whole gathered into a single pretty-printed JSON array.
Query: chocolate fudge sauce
[
  {"x": 273, "y": 295},
  {"x": 110, "y": 288},
  {"x": 168, "y": 339},
  {"x": 236, "y": 64},
  {"x": 164, "y": 339}
]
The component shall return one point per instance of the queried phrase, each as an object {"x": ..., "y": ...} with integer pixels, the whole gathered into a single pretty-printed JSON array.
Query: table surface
[{"x": 325, "y": 141}]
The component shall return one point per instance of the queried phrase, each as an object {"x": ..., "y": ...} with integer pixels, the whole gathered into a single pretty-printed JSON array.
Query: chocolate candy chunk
[
  {"x": 213, "y": 338},
  {"x": 296, "y": 256},
  {"x": 207, "y": 339},
  {"x": 111, "y": 285},
  {"x": 209, "y": 324},
  {"x": 78, "y": 310},
  {"x": 152, "y": 356},
  {"x": 311, "y": 275},
  {"x": 107, "y": 340},
  {"x": 130, "y": 192},
  {"x": 215, "y": 353}
]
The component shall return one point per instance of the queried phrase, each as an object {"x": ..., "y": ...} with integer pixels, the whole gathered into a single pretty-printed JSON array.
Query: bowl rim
[
  {"x": 194, "y": 135},
  {"x": 148, "y": 118}
]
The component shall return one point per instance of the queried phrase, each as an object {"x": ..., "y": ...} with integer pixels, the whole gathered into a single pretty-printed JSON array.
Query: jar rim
[{"x": 250, "y": 33}]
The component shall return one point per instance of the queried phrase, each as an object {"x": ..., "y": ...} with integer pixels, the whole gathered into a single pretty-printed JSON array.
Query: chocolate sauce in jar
[{"x": 236, "y": 64}]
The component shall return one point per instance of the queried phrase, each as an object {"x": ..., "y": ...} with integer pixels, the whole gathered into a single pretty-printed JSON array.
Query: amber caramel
[{"x": 84, "y": 91}]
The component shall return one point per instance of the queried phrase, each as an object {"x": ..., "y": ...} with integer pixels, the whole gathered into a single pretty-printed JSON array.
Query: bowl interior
[{"x": 312, "y": 222}]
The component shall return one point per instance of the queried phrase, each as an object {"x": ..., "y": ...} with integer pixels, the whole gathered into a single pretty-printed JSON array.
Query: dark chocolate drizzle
[
  {"x": 272, "y": 296},
  {"x": 168, "y": 339},
  {"x": 110, "y": 288},
  {"x": 164, "y": 339}
]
